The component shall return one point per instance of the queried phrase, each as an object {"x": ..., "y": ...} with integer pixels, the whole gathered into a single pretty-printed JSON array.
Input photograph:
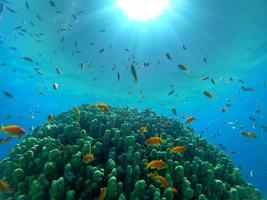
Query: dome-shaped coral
[{"x": 49, "y": 163}]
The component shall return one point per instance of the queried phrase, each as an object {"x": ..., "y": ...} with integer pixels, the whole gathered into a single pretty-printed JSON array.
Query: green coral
[{"x": 48, "y": 164}]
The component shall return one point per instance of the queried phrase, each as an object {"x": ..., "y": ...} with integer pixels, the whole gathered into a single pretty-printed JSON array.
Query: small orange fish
[
  {"x": 189, "y": 119},
  {"x": 50, "y": 117},
  {"x": 174, "y": 190},
  {"x": 249, "y": 135},
  {"x": 164, "y": 183},
  {"x": 102, "y": 107},
  {"x": 208, "y": 94},
  {"x": 13, "y": 130},
  {"x": 177, "y": 149},
  {"x": 156, "y": 164},
  {"x": 4, "y": 186},
  {"x": 5, "y": 140},
  {"x": 103, "y": 192},
  {"x": 153, "y": 141},
  {"x": 88, "y": 158},
  {"x": 143, "y": 129}
]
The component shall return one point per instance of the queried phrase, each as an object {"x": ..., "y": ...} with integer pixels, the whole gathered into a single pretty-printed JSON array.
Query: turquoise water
[{"x": 230, "y": 35}]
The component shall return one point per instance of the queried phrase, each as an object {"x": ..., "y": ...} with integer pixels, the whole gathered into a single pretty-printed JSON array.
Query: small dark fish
[
  {"x": 118, "y": 77},
  {"x": 52, "y": 3},
  {"x": 27, "y": 59},
  {"x": 212, "y": 81},
  {"x": 241, "y": 81},
  {"x": 184, "y": 47},
  {"x": 31, "y": 23},
  {"x": 228, "y": 105},
  {"x": 27, "y": 5},
  {"x": 110, "y": 46},
  {"x": 171, "y": 92},
  {"x": 58, "y": 12},
  {"x": 75, "y": 44},
  {"x": 174, "y": 111},
  {"x": 101, "y": 51},
  {"x": 252, "y": 118},
  {"x": 7, "y": 94},
  {"x": 11, "y": 10},
  {"x": 205, "y": 78},
  {"x": 265, "y": 84},
  {"x": 158, "y": 62},
  {"x": 17, "y": 27},
  {"x": 74, "y": 17},
  {"x": 247, "y": 89},
  {"x": 208, "y": 94},
  {"x": 41, "y": 92},
  {"x": 39, "y": 17},
  {"x": 146, "y": 64},
  {"x": 91, "y": 43},
  {"x": 2, "y": 64},
  {"x": 134, "y": 73},
  {"x": 103, "y": 30},
  {"x": 127, "y": 50},
  {"x": 205, "y": 60},
  {"x": 184, "y": 68},
  {"x": 62, "y": 39},
  {"x": 168, "y": 56},
  {"x": 114, "y": 67},
  {"x": 222, "y": 146}
]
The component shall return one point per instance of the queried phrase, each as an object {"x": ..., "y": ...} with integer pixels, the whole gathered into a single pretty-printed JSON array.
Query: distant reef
[{"x": 49, "y": 163}]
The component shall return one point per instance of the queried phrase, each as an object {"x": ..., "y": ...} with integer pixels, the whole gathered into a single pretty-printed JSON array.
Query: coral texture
[{"x": 48, "y": 164}]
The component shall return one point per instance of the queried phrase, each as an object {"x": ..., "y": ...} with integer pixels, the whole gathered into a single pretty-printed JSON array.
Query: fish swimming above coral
[{"x": 64, "y": 157}]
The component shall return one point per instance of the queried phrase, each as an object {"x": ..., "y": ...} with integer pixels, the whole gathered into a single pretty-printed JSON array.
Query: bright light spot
[{"x": 142, "y": 10}]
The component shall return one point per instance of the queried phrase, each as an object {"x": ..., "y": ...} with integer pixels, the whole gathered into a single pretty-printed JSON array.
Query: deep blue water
[{"x": 231, "y": 35}]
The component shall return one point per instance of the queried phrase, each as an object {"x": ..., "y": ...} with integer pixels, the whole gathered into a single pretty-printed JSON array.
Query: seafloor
[{"x": 48, "y": 163}]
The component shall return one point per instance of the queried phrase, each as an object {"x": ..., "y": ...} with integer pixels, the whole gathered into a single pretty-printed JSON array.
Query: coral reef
[{"x": 48, "y": 164}]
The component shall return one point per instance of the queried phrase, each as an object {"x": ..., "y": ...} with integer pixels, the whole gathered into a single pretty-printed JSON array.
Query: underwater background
[{"x": 87, "y": 49}]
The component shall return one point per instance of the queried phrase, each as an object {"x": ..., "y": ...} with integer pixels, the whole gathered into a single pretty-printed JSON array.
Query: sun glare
[{"x": 142, "y": 10}]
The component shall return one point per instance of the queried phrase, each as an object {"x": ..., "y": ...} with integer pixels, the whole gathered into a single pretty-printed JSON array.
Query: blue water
[{"x": 231, "y": 35}]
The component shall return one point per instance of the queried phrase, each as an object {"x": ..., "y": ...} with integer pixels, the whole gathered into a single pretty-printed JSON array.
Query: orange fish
[
  {"x": 4, "y": 186},
  {"x": 178, "y": 149},
  {"x": 164, "y": 183},
  {"x": 13, "y": 130},
  {"x": 189, "y": 119},
  {"x": 102, "y": 194},
  {"x": 208, "y": 94},
  {"x": 153, "y": 141},
  {"x": 143, "y": 129},
  {"x": 88, "y": 158},
  {"x": 5, "y": 140},
  {"x": 156, "y": 164},
  {"x": 50, "y": 117},
  {"x": 102, "y": 107}
]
